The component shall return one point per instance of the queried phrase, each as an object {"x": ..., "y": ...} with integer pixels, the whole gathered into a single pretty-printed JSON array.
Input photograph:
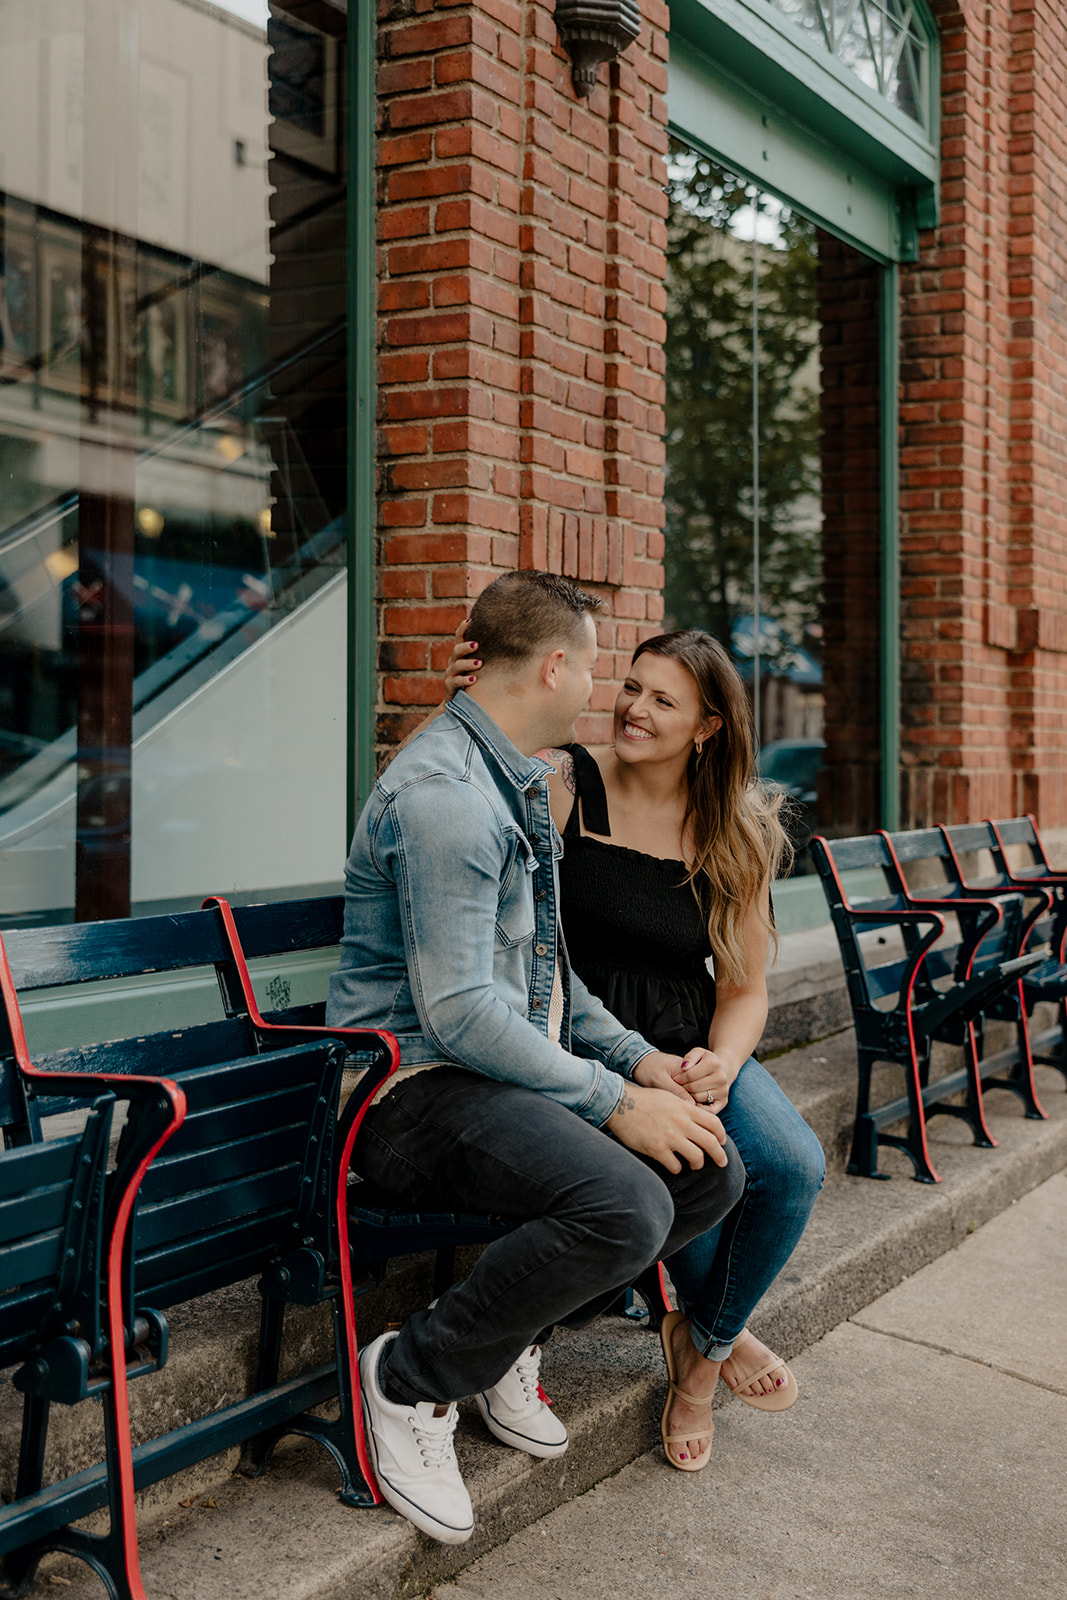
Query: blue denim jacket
[{"x": 451, "y": 922}]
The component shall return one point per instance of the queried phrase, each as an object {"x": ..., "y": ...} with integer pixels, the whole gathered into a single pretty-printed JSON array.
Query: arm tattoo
[
  {"x": 625, "y": 1104},
  {"x": 563, "y": 762}
]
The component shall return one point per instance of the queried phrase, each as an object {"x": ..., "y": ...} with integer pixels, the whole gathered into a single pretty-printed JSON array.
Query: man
[{"x": 519, "y": 1094}]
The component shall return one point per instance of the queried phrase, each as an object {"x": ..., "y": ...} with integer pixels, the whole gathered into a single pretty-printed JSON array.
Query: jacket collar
[{"x": 519, "y": 769}]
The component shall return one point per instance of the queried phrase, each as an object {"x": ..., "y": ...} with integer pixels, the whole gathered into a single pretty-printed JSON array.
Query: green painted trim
[
  {"x": 890, "y": 555},
  {"x": 362, "y": 662},
  {"x": 841, "y": 125},
  {"x": 753, "y": 40},
  {"x": 728, "y": 121}
]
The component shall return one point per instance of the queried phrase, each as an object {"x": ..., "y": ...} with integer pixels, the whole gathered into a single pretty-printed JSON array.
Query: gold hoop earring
[{"x": 698, "y": 745}]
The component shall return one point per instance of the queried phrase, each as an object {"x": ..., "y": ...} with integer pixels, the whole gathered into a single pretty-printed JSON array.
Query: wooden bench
[
  {"x": 936, "y": 987},
  {"x": 251, "y": 1184},
  {"x": 1046, "y": 888},
  {"x": 64, "y": 1252}
]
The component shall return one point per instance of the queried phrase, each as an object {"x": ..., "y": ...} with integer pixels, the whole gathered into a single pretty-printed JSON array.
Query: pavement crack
[{"x": 960, "y": 1355}]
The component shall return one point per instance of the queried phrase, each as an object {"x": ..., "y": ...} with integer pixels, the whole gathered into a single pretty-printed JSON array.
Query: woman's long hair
[{"x": 739, "y": 844}]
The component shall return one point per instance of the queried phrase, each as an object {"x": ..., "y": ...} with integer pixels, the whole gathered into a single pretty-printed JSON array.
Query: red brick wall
[
  {"x": 984, "y": 409},
  {"x": 521, "y": 328},
  {"x": 521, "y": 306}
]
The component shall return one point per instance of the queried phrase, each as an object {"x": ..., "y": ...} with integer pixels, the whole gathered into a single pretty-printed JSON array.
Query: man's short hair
[{"x": 522, "y": 613}]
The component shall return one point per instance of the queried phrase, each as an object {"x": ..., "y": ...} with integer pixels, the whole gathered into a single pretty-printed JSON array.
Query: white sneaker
[
  {"x": 514, "y": 1412},
  {"x": 414, "y": 1456}
]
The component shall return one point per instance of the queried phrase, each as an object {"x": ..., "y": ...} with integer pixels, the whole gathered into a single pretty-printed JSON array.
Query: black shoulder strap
[{"x": 589, "y": 790}]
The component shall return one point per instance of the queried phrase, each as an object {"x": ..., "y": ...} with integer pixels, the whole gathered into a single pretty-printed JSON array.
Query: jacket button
[
  {"x": 536, "y": 1005},
  {"x": 540, "y": 894},
  {"x": 540, "y": 949},
  {"x": 535, "y": 839}
]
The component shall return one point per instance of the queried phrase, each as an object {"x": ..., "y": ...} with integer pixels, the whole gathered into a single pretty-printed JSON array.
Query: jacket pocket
[{"x": 515, "y": 902}]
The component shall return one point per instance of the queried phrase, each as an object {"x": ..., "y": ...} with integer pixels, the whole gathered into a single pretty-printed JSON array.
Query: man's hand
[{"x": 669, "y": 1127}]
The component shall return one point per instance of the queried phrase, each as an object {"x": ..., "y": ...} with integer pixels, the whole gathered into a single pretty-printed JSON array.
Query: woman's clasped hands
[{"x": 707, "y": 1077}]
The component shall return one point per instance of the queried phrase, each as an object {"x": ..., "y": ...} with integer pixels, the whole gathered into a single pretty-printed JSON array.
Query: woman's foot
[
  {"x": 687, "y": 1421},
  {"x": 749, "y": 1356},
  {"x": 759, "y": 1377}
]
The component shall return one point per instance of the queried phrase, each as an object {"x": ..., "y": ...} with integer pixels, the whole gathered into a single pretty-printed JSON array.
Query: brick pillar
[
  {"x": 960, "y": 538},
  {"x": 521, "y": 307},
  {"x": 1037, "y": 355}
]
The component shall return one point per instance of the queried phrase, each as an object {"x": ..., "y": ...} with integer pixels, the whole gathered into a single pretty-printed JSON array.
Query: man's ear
[{"x": 550, "y": 666}]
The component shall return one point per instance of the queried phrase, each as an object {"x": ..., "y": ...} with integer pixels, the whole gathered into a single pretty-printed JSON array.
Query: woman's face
[{"x": 657, "y": 712}]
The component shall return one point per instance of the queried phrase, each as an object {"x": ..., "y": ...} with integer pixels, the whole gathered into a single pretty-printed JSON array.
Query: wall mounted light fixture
[{"x": 594, "y": 31}]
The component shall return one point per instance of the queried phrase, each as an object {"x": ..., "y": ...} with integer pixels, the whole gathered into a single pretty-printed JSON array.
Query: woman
[{"x": 670, "y": 850}]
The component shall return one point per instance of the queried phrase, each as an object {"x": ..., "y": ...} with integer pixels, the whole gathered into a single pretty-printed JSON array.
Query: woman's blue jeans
[{"x": 722, "y": 1275}]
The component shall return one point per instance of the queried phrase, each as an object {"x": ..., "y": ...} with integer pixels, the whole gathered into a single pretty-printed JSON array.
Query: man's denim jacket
[{"x": 450, "y": 931}]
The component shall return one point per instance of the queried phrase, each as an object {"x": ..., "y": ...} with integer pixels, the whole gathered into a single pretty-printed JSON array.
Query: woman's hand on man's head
[{"x": 461, "y": 670}]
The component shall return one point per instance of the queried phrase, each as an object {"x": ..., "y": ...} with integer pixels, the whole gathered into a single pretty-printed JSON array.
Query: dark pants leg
[{"x": 593, "y": 1215}]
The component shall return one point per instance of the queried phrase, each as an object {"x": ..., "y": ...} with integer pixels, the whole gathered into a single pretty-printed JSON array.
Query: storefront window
[
  {"x": 772, "y": 497},
  {"x": 173, "y": 376}
]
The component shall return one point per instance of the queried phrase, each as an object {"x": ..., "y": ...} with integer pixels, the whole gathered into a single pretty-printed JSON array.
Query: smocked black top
[{"x": 635, "y": 933}]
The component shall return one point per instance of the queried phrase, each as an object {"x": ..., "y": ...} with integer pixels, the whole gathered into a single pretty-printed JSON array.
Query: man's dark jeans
[{"x": 593, "y": 1214}]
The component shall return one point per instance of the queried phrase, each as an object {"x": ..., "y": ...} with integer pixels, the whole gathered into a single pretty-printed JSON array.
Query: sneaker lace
[
  {"x": 528, "y": 1371},
  {"x": 435, "y": 1444}
]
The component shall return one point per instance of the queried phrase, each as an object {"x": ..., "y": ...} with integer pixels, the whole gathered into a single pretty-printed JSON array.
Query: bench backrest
[
  {"x": 67, "y": 955},
  {"x": 870, "y": 978},
  {"x": 51, "y": 1236},
  {"x": 247, "y": 1176}
]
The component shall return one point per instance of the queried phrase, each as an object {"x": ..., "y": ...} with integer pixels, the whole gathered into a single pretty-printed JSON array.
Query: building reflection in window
[
  {"x": 172, "y": 452},
  {"x": 772, "y": 498}
]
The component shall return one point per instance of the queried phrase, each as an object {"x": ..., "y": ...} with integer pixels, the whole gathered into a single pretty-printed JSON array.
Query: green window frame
[{"x": 362, "y": 228}]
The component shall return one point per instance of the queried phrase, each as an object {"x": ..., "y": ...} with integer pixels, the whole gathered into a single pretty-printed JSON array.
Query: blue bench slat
[
  {"x": 92, "y": 952},
  {"x": 197, "y": 1217},
  {"x": 202, "y": 1045},
  {"x": 43, "y": 1208},
  {"x": 242, "y": 1118},
  {"x": 31, "y": 1260},
  {"x": 290, "y": 925},
  {"x": 921, "y": 844},
  {"x": 270, "y": 1155},
  {"x": 177, "y": 1274},
  {"x": 22, "y": 1309}
]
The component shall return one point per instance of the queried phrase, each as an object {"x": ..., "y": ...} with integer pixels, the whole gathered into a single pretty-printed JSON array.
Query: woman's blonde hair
[{"x": 739, "y": 844}]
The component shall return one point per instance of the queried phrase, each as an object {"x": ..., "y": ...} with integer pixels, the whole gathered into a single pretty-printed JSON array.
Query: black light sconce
[{"x": 593, "y": 31}]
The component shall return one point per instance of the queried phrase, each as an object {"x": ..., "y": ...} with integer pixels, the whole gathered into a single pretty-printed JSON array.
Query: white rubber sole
[{"x": 518, "y": 1441}]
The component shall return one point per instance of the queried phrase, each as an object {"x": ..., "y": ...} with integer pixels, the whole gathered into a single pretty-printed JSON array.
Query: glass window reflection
[{"x": 172, "y": 453}]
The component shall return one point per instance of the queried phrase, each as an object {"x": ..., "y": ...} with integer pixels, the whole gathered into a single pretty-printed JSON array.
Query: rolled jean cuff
[{"x": 706, "y": 1343}]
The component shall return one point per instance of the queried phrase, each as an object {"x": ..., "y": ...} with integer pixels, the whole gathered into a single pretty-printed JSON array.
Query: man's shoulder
[{"x": 442, "y": 761}]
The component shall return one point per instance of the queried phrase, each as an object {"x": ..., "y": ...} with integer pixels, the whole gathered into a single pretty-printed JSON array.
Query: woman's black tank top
[{"x": 635, "y": 933}]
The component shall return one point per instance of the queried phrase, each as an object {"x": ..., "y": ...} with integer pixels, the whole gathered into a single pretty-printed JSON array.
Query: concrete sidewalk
[{"x": 927, "y": 1455}]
